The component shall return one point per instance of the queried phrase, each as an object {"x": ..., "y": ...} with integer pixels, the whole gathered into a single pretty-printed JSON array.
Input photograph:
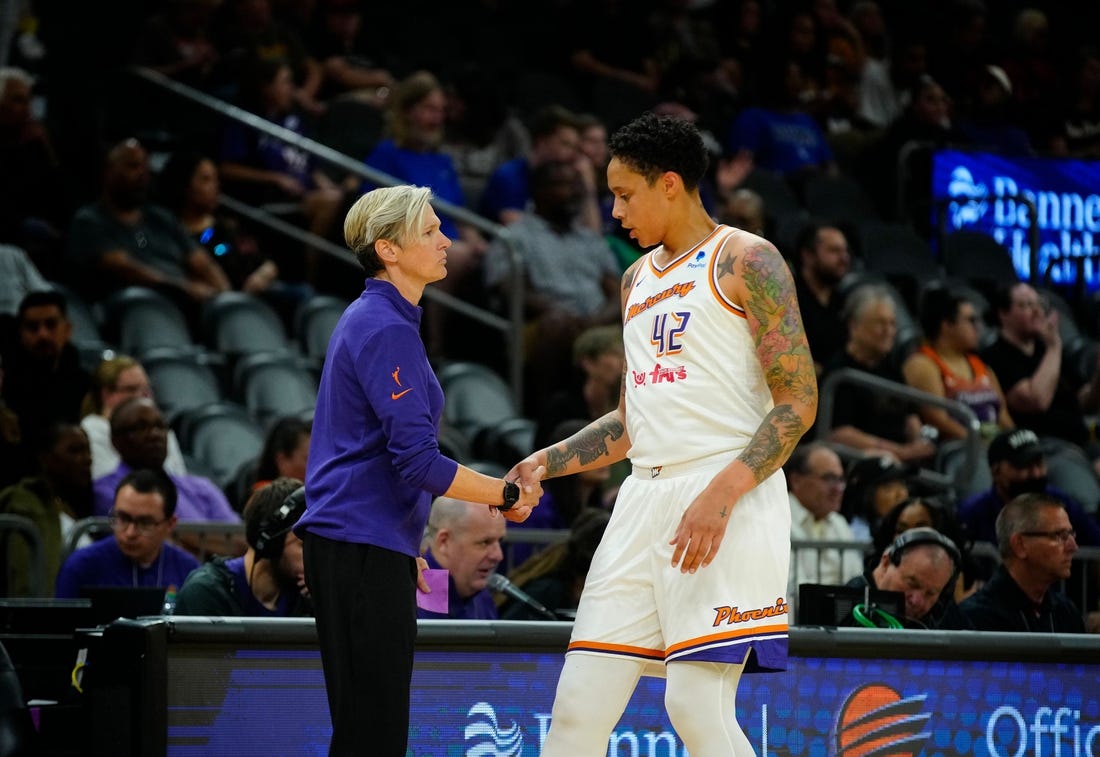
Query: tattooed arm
[
  {"x": 753, "y": 274},
  {"x": 602, "y": 442}
]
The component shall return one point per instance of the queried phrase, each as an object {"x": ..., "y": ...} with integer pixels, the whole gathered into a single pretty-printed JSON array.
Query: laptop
[{"x": 112, "y": 602}]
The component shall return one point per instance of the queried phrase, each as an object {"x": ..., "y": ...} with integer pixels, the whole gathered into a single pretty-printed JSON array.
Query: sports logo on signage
[{"x": 875, "y": 720}]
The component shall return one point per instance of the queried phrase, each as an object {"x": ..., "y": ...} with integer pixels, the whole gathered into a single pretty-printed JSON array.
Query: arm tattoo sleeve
[
  {"x": 587, "y": 445},
  {"x": 781, "y": 346}
]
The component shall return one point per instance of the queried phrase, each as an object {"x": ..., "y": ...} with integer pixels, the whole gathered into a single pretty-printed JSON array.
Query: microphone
[{"x": 497, "y": 582}]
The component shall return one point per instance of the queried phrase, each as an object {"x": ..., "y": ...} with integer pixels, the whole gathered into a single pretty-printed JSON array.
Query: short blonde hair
[{"x": 390, "y": 213}]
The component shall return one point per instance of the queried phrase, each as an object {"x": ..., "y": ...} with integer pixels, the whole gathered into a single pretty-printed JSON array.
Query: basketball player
[{"x": 690, "y": 577}]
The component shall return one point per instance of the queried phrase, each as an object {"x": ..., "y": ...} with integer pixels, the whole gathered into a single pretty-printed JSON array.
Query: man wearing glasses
[
  {"x": 1037, "y": 543},
  {"x": 815, "y": 488},
  {"x": 1018, "y": 465},
  {"x": 142, "y": 519}
]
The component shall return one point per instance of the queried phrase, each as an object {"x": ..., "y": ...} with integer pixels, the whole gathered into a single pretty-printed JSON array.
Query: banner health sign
[
  {"x": 498, "y": 703},
  {"x": 982, "y": 192}
]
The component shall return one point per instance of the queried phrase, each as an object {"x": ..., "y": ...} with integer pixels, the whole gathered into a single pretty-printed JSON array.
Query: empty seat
[
  {"x": 221, "y": 437},
  {"x": 82, "y": 316},
  {"x": 509, "y": 441},
  {"x": 182, "y": 379},
  {"x": 898, "y": 253},
  {"x": 476, "y": 399},
  {"x": 272, "y": 385},
  {"x": 139, "y": 319},
  {"x": 838, "y": 199},
  {"x": 314, "y": 322},
  {"x": 979, "y": 259},
  {"x": 239, "y": 323},
  {"x": 779, "y": 197}
]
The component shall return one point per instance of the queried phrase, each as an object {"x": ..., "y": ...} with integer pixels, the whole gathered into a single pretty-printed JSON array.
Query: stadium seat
[
  {"x": 182, "y": 379},
  {"x": 221, "y": 436},
  {"x": 838, "y": 199},
  {"x": 477, "y": 399},
  {"x": 274, "y": 384},
  {"x": 139, "y": 319},
  {"x": 239, "y": 323},
  {"x": 898, "y": 253},
  {"x": 979, "y": 259},
  {"x": 779, "y": 197},
  {"x": 314, "y": 322},
  {"x": 83, "y": 317}
]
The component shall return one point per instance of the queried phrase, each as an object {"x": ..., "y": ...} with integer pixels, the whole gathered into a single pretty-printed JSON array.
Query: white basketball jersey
[{"x": 694, "y": 385}]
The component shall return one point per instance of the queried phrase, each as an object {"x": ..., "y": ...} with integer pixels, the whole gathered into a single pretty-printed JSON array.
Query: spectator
[
  {"x": 594, "y": 388},
  {"x": 266, "y": 170},
  {"x": 412, "y": 153},
  {"x": 464, "y": 538},
  {"x": 53, "y": 500},
  {"x": 1077, "y": 132},
  {"x": 990, "y": 123},
  {"x": 744, "y": 209},
  {"x": 815, "y": 485},
  {"x": 921, "y": 564},
  {"x": 123, "y": 239},
  {"x": 555, "y": 137},
  {"x": 947, "y": 365},
  {"x": 782, "y": 136},
  {"x": 555, "y": 576},
  {"x": 139, "y": 433},
  {"x": 43, "y": 380},
  {"x": 341, "y": 44},
  {"x": 189, "y": 187},
  {"x": 480, "y": 133},
  {"x": 116, "y": 379},
  {"x": 285, "y": 451},
  {"x": 822, "y": 260},
  {"x": 925, "y": 122},
  {"x": 1040, "y": 393},
  {"x": 572, "y": 277},
  {"x": 268, "y": 581},
  {"x": 1037, "y": 544},
  {"x": 143, "y": 514},
  {"x": 245, "y": 32},
  {"x": 1018, "y": 466},
  {"x": 875, "y": 485},
  {"x": 14, "y": 457},
  {"x": 176, "y": 42},
  {"x": 34, "y": 201},
  {"x": 864, "y": 419}
]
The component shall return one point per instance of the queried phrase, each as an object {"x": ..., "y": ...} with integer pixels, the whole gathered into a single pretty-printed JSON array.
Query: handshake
[{"x": 522, "y": 490}]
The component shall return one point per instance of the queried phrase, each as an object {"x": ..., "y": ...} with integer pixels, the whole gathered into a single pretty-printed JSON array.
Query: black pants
[{"x": 364, "y": 600}]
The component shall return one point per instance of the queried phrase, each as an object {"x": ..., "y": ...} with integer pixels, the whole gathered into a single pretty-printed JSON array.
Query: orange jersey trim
[
  {"x": 712, "y": 279},
  {"x": 621, "y": 649},
  {"x": 660, "y": 272},
  {"x": 727, "y": 636}
]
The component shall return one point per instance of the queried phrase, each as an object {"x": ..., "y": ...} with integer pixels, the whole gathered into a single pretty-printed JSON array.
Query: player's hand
[
  {"x": 421, "y": 582},
  {"x": 700, "y": 532}
]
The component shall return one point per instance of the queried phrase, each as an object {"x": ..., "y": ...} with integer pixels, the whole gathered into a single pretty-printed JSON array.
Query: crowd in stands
[{"x": 111, "y": 192}]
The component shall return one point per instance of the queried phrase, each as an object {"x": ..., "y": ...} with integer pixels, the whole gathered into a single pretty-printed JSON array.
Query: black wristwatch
[{"x": 511, "y": 496}]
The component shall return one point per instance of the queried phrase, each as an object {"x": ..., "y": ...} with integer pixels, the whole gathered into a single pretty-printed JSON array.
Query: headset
[
  {"x": 270, "y": 535},
  {"x": 925, "y": 535},
  {"x": 867, "y": 614}
]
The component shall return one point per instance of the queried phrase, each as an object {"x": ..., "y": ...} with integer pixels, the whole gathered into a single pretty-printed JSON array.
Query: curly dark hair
[{"x": 652, "y": 144}]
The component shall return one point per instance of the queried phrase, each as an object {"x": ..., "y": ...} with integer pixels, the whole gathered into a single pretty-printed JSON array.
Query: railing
[
  {"x": 972, "y": 444},
  {"x": 512, "y": 327},
  {"x": 214, "y": 537},
  {"x": 36, "y": 570}
]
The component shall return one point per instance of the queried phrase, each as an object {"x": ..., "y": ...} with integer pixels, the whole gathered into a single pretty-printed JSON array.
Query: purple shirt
[
  {"x": 198, "y": 498},
  {"x": 478, "y": 607},
  {"x": 374, "y": 459},
  {"x": 103, "y": 564}
]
